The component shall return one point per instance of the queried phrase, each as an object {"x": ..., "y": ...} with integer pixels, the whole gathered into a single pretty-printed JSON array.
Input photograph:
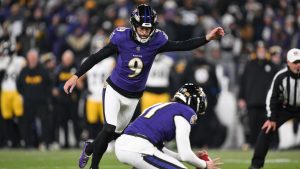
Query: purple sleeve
[
  {"x": 117, "y": 36},
  {"x": 189, "y": 115},
  {"x": 162, "y": 37}
]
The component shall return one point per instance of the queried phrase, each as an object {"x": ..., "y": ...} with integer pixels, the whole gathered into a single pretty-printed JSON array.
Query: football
[{"x": 203, "y": 156}]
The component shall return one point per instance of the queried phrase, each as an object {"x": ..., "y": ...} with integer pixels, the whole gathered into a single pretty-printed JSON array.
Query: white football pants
[
  {"x": 141, "y": 154},
  {"x": 118, "y": 109}
]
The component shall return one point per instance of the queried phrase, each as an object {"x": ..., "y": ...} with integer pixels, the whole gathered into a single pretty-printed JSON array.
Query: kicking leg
[{"x": 100, "y": 144}]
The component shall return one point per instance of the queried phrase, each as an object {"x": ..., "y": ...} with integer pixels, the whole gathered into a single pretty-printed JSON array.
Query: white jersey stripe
[{"x": 270, "y": 92}]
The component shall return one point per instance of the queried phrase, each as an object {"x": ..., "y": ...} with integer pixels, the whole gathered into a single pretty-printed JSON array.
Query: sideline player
[
  {"x": 10, "y": 99},
  {"x": 136, "y": 48},
  {"x": 141, "y": 144}
]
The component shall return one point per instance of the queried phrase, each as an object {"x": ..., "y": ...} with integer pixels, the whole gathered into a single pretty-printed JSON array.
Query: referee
[{"x": 283, "y": 104}]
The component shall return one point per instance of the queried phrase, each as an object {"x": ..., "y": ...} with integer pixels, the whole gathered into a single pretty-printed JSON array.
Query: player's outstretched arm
[
  {"x": 92, "y": 60},
  {"x": 193, "y": 43},
  {"x": 216, "y": 33}
]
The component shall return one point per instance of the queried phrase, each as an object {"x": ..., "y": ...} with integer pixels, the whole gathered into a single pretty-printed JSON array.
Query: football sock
[{"x": 100, "y": 144}]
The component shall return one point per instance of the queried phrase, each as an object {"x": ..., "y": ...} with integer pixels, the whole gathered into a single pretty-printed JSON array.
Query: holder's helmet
[
  {"x": 143, "y": 16},
  {"x": 193, "y": 96}
]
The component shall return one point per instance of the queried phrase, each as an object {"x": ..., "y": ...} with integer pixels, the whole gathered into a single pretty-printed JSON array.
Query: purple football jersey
[
  {"x": 157, "y": 122},
  {"x": 134, "y": 59}
]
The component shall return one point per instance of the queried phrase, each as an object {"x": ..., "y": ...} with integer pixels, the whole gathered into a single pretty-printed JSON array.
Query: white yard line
[
  {"x": 276, "y": 160},
  {"x": 72, "y": 167}
]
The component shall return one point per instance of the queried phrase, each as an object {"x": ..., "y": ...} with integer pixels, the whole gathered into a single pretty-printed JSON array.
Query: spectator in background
[
  {"x": 254, "y": 85},
  {"x": 34, "y": 33},
  {"x": 188, "y": 15},
  {"x": 16, "y": 20},
  {"x": 199, "y": 71},
  {"x": 35, "y": 86},
  {"x": 158, "y": 82},
  {"x": 168, "y": 19},
  {"x": 67, "y": 105},
  {"x": 276, "y": 55},
  {"x": 231, "y": 46},
  {"x": 99, "y": 39},
  {"x": 48, "y": 60},
  {"x": 283, "y": 102},
  {"x": 11, "y": 100},
  {"x": 267, "y": 29},
  {"x": 56, "y": 31},
  {"x": 78, "y": 41},
  {"x": 123, "y": 8}
]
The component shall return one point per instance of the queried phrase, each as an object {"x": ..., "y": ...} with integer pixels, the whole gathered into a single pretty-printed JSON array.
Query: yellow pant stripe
[
  {"x": 94, "y": 112},
  {"x": 11, "y": 104},
  {"x": 150, "y": 99}
]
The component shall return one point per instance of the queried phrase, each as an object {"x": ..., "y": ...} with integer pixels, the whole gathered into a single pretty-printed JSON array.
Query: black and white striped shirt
[{"x": 284, "y": 93}]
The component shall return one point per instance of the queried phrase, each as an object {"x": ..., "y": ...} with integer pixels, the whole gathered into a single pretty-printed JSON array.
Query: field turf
[{"x": 67, "y": 159}]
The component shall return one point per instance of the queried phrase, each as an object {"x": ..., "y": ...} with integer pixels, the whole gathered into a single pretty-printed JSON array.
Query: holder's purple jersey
[
  {"x": 134, "y": 59},
  {"x": 157, "y": 122}
]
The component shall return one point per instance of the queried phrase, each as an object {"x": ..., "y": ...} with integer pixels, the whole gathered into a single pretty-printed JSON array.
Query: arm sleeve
[
  {"x": 273, "y": 99},
  {"x": 171, "y": 153},
  {"x": 183, "y": 45},
  {"x": 93, "y": 59},
  {"x": 185, "y": 152}
]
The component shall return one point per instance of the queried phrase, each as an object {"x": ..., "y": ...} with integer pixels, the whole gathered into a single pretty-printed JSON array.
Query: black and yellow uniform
[
  {"x": 34, "y": 85},
  {"x": 11, "y": 103},
  {"x": 158, "y": 82},
  {"x": 67, "y": 105}
]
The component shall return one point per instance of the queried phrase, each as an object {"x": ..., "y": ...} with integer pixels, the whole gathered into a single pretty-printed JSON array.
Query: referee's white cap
[{"x": 293, "y": 55}]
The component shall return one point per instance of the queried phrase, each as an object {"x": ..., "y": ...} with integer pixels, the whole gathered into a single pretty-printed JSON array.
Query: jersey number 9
[{"x": 136, "y": 65}]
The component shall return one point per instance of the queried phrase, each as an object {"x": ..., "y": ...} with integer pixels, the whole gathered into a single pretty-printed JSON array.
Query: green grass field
[{"x": 67, "y": 159}]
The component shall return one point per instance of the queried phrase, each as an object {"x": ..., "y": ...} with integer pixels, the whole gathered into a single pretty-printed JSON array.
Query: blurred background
[{"x": 43, "y": 42}]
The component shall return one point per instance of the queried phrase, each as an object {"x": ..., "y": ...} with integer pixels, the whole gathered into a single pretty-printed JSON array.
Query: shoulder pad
[
  {"x": 118, "y": 34},
  {"x": 162, "y": 33}
]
